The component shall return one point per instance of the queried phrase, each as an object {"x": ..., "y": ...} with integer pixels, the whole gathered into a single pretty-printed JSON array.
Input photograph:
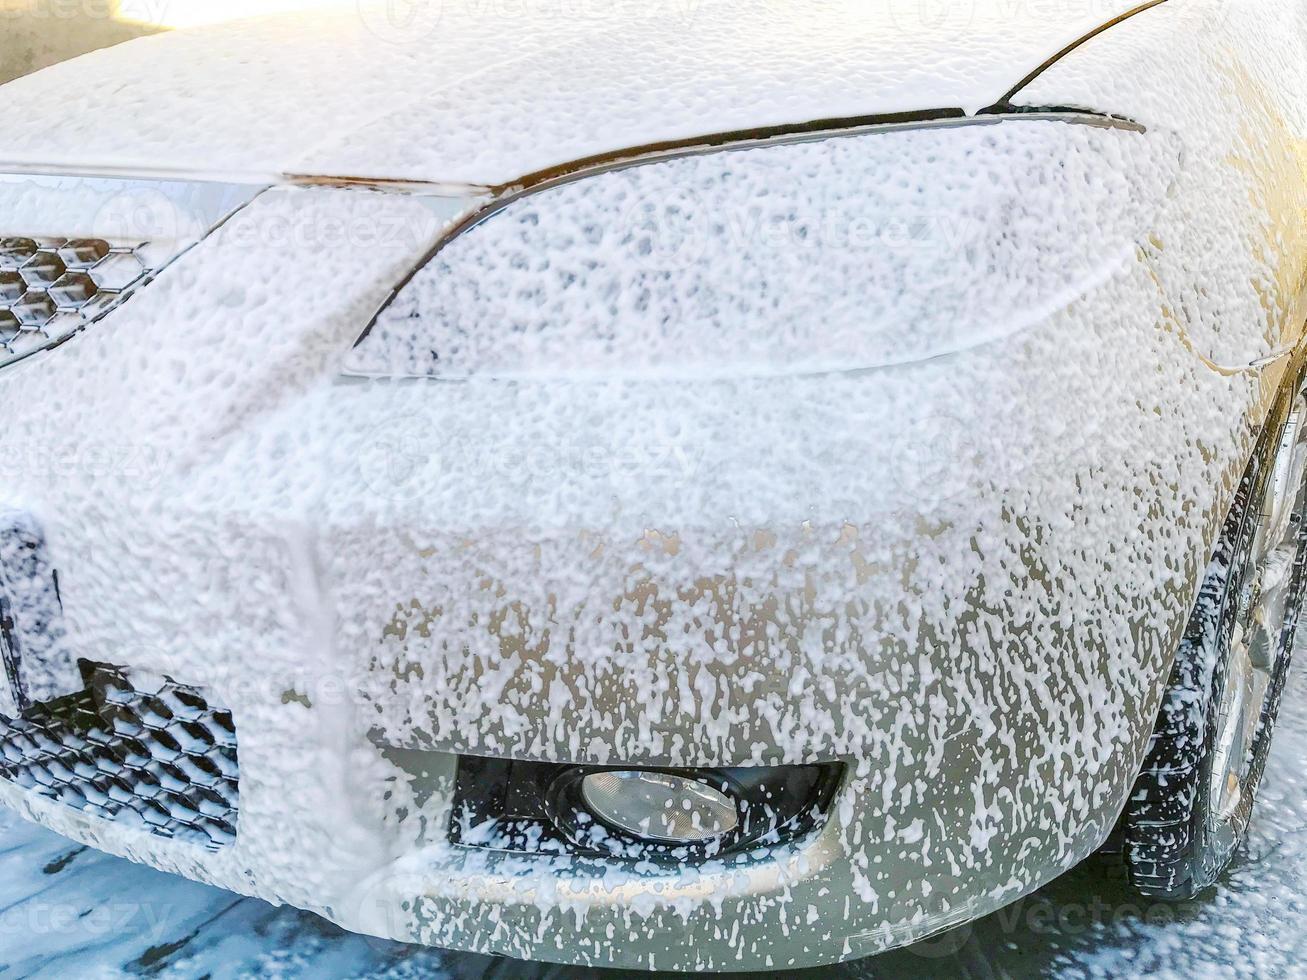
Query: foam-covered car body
[{"x": 732, "y": 385}]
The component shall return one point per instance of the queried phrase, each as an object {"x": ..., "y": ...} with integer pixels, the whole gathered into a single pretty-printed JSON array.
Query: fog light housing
[
  {"x": 659, "y": 806},
  {"x": 623, "y": 811}
]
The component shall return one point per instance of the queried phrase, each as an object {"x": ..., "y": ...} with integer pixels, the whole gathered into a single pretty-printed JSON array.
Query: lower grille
[{"x": 134, "y": 749}]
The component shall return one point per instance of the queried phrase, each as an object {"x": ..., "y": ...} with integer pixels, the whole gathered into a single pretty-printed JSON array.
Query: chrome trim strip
[{"x": 434, "y": 188}]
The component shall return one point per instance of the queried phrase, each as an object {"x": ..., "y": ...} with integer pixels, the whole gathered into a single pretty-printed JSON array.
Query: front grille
[
  {"x": 135, "y": 749},
  {"x": 50, "y": 288}
]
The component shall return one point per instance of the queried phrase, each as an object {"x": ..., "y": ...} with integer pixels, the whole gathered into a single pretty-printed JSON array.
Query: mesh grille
[
  {"x": 52, "y": 287},
  {"x": 156, "y": 755}
]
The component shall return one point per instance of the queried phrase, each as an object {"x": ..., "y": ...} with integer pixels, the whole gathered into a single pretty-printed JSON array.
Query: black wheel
[{"x": 1191, "y": 805}]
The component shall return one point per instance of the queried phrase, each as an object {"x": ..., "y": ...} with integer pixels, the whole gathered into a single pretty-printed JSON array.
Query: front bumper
[{"x": 963, "y": 578}]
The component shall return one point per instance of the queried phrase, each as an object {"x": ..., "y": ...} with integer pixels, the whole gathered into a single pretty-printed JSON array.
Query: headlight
[
  {"x": 72, "y": 249},
  {"x": 852, "y": 251}
]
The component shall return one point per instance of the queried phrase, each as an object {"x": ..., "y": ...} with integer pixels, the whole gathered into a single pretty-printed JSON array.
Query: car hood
[{"x": 484, "y": 93}]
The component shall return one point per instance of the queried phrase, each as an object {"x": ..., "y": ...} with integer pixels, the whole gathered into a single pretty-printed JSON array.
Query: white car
[{"x": 699, "y": 486}]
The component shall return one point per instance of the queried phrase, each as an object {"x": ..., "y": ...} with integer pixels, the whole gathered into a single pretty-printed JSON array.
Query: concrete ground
[{"x": 37, "y": 33}]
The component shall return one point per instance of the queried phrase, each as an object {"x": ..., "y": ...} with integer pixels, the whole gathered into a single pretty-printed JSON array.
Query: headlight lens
[{"x": 837, "y": 253}]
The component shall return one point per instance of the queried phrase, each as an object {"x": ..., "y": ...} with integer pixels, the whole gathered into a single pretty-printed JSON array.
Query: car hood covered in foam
[{"x": 483, "y": 92}]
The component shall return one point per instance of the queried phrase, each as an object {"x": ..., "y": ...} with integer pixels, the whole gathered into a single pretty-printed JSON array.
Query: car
[{"x": 674, "y": 486}]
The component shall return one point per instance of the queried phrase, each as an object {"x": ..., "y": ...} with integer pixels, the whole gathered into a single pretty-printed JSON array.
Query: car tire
[{"x": 1190, "y": 807}]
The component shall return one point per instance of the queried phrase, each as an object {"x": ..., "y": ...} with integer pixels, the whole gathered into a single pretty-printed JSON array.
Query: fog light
[
  {"x": 672, "y": 814},
  {"x": 659, "y": 806}
]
